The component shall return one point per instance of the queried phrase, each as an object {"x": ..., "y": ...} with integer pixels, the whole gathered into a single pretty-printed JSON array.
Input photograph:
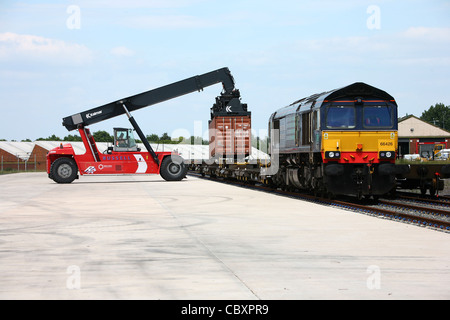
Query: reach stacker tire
[
  {"x": 63, "y": 170},
  {"x": 173, "y": 168}
]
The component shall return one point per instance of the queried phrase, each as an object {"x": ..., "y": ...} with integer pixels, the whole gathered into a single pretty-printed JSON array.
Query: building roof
[
  {"x": 187, "y": 151},
  {"x": 21, "y": 150},
  {"x": 196, "y": 152},
  {"x": 413, "y": 127},
  {"x": 78, "y": 147}
]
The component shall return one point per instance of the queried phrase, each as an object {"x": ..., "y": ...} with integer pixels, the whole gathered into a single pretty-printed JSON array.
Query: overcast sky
[{"x": 58, "y": 58}]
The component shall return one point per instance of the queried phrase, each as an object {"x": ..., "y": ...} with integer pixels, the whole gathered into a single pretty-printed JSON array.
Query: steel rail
[{"x": 405, "y": 217}]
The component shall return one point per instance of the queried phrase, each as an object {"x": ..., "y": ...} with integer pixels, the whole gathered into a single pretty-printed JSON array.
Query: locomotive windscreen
[
  {"x": 377, "y": 117},
  {"x": 341, "y": 117}
]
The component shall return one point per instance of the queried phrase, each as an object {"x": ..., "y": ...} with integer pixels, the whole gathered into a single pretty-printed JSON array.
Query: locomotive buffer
[{"x": 125, "y": 157}]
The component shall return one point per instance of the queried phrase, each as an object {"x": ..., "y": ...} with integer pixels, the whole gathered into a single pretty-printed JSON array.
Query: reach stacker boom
[{"x": 124, "y": 157}]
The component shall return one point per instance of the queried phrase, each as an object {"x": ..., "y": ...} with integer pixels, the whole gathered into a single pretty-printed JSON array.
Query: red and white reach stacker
[{"x": 124, "y": 157}]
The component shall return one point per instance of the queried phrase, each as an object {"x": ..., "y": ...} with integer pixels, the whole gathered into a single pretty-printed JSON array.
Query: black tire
[
  {"x": 63, "y": 170},
  {"x": 173, "y": 168}
]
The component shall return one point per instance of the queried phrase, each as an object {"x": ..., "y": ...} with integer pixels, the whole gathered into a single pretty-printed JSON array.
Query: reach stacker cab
[
  {"x": 124, "y": 140},
  {"x": 124, "y": 157}
]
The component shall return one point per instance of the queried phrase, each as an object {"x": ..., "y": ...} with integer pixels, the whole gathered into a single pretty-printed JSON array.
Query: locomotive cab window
[
  {"x": 377, "y": 117},
  {"x": 341, "y": 117}
]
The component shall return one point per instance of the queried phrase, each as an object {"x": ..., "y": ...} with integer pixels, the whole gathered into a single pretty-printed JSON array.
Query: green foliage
[
  {"x": 260, "y": 143},
  {"x": 165, "y": 136},
  {"x": 166, "y": 139},
  {"x": 50, "y": 138},
  {"x": 72, "y": 138},
  {"x": 153, "y": 138},
  {"x": 197, "y": 141},
  {"x": 103, "y": 136},
  {"x": 439, "y": 115}
]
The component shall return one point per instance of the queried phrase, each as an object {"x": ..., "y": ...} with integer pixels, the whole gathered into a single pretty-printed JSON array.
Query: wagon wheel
[
  {"x": 423, "y": 189},
  {"x": 433, "y": 190}
]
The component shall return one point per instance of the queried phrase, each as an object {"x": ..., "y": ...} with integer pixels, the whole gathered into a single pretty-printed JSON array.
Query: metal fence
[{"x": 20, "y": 164}]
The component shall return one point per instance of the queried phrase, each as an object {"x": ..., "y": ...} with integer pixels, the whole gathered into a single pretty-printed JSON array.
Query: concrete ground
[{"x": 139, "y": 237}]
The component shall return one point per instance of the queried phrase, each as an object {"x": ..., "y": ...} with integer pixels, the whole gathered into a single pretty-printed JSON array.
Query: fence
[{"x": 19, "y": 164}]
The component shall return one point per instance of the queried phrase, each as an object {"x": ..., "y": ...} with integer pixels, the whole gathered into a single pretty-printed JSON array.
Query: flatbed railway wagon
[{"x": 423, "y": 176}]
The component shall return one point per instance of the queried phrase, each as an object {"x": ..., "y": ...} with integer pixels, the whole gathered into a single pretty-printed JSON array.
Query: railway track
[
  {"x": 423, "y": 198},
  {"x": 423, "y": 215},
  {"x": 428, "y": 213}
]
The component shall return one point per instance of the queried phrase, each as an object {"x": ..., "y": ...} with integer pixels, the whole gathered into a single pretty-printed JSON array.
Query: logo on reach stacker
[
  {"x": 93, "y": 114},
  {"x": 90, "y": 170}
]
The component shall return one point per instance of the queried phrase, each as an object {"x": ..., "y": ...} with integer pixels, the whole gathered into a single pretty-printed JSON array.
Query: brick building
[
  {"x": 40, "y": 154},
  {"x": 29, "y": 156},
  {"x": 16, "y": 155},
  {"x": 41, "y": 148},
  {"x": 416, "y": 136}
]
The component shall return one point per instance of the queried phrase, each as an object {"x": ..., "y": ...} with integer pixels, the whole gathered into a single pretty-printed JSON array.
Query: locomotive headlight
[
  {"x": 387, "y": 155},
  {"x": 332, "y": 154}
]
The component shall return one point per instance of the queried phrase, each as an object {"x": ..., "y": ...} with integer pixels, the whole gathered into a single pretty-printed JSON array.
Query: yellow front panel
[{"x": 368, "y": 141}]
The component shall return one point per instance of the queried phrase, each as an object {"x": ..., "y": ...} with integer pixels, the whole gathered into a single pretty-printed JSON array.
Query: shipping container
[{"x": 230, "y": 137}]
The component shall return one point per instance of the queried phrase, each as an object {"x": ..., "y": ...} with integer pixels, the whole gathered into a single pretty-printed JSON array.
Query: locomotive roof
[{"x": 357, "y": 89}]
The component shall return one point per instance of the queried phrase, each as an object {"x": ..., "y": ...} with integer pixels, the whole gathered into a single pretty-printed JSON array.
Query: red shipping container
[{"x": 229, "y": 137}]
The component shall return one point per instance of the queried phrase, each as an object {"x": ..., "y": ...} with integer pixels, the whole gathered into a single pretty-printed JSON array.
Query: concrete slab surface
[{"x": 139, "y": 237}]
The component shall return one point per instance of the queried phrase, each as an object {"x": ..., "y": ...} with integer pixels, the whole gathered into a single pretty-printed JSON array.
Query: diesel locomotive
[{"x": 339, "y": 142}]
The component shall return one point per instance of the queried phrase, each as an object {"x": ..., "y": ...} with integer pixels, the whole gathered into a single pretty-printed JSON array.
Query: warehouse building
[
  {"x": 416, "y": 136},
  {"x": 32, "y": 156},
  {"x": 41, "y": 148},
  {"x": 16, "y": 155}
]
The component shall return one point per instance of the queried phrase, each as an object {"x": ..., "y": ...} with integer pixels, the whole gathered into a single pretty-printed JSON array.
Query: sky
[{"x": 58, "y": 58}]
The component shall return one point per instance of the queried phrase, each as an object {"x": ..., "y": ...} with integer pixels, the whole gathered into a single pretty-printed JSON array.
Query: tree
[
  {"x": 439, "y": 115},
  {"x": 181, "y": 139},
  {"x": 103, "y": 136},
  {"x": 50, "y": 138},
  {"x": 72, "y": 138},
  {"x": 196, "y": 140},
  {"x": 153, "y": 137},
  {"x": 165, "y": 136}
]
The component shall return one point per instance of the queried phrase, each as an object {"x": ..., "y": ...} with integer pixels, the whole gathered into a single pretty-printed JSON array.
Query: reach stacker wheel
[
  {"x": 63, "y": 170},
  {"x": 173, "y": 168}
]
